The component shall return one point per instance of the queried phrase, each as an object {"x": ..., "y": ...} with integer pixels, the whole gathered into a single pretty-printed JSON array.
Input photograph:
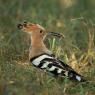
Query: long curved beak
[{"x": 59, "y": 35}]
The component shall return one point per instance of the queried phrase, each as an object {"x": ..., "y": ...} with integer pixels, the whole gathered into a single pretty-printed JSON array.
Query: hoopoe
[{"x": 43, "y": 58}]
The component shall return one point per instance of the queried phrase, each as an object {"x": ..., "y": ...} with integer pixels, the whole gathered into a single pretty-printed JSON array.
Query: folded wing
[{"x": 56, "y": 67}]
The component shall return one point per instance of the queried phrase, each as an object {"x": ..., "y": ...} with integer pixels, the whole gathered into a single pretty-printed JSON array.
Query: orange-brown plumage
[{"x": 37, "y": 34}]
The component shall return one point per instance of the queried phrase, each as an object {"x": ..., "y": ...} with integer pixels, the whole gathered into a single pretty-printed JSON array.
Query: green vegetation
[{"x": 74, "y": 18}]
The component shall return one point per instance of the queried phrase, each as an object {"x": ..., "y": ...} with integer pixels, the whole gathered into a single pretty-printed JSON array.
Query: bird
[{"x": 42, "y": 58}]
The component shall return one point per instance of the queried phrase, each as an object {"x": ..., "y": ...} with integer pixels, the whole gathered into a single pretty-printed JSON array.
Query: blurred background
[{"x": 74, "y": 18}]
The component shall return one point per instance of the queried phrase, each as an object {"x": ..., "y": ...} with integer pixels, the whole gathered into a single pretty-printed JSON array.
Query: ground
[{"x": 74, "y": 18}]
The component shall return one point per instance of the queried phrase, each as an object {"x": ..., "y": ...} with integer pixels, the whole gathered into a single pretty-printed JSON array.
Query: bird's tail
[
  {"x": 75, "y": 76},
  {"x": 71, "y": 74}
]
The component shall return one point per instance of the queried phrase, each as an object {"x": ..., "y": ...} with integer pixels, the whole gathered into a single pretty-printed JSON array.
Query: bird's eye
[{"x": 41, "y": 31}]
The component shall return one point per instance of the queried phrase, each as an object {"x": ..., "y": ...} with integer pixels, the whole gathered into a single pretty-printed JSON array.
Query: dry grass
[{"x": 77, "y": 23}]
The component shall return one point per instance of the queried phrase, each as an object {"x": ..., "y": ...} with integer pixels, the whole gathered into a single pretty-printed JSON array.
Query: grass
[{"x": 75, "y": 20}]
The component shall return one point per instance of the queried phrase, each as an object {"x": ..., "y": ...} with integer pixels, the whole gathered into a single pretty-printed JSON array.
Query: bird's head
[{"x": 36, "y": 30}]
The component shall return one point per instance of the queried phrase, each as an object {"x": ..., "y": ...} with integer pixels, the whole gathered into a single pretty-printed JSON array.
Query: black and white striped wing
[
  {"x": 55, "y": 66},
  {"x": 48, "y": 63}
]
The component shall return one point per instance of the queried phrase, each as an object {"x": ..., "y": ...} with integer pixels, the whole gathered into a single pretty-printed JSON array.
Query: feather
[{"x": 56, "y": 67}]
